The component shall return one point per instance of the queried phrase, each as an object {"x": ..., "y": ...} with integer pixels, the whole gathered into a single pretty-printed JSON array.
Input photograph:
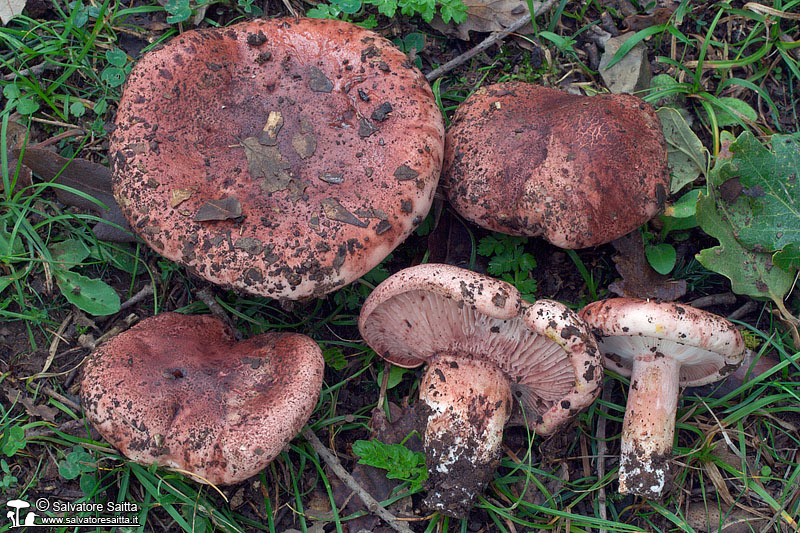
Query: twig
[
  {"x": 207, "y": 297},
  {"x": 372, "y": 504},
  {"x": 69, "y": 402},
  {"x": 138, "y": 297},
  {"x": 495, "y": 37},
  {"x": 724, "y": 298},
  {"x": 745, "y": 309}
]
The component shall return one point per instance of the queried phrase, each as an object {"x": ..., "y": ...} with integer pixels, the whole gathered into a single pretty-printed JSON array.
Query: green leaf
[
  {"x": 116, "y": 57},
  {"x": 77, "y": 109},
  {"x": 687, "y": 156},
  {"x": 113, "y": 76},
  {"x": 11, "y": 92},
  {"x": 400, "y": 462},
  {"x": 765, "y": 183},
  {"x": 395, "y": 376},
  {"x": 87, "y": 294},
  {"x": 334, "y": 358},
  {"x": 27, "y": 105},
  {"x": 751, "y": 273},
  {"x": 661, "y": 257},
  {"x": 68, "y": 254},
  {"x": 725, "y": 116},
  {"x": 787, "y": 259},
  {"x": 349, "y": 7},
  {"x": 15, "y": 441},
  {"x": 179, "y": 11},
  {"x": 323, "y": 11},
  {"x": 685, "y": 206},
  {"x": 75, "y": 463},
  {"x": 413, "y": 41}
]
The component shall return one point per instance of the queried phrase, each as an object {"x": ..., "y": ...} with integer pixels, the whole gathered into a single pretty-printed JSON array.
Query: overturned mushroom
[
  {"x": 281, "y": 157},
  {"x": 483, "y": 345},
  {"x": 661, "y": 347},
  {"x": 580, "y": 171},
  {"x": 178, "y": 391}
]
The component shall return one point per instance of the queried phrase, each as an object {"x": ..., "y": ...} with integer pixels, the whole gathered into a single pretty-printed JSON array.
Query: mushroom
[
  {"x": 580, "y": 171},
  {"x": 660, "y": 347},
  {"x": 283, "y": 157},
  {"x": 484, "y": 346},
  {"x": 178, "y": 391}
]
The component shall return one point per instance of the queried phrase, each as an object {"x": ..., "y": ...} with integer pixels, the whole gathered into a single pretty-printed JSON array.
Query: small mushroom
[
  {"x": 579, "y": 171},
  {"x": 178, "y": 391},
  {"x": 484, "y": 345},
  {"x": 661, "y": 347},
  {"x": 283, "y": 157}
]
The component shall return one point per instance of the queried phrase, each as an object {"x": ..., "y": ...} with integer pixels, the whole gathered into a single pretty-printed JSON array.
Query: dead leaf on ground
[
  {"x": 641, "y": 22},
  {"x": 10, "y": 9},
  {"x": 486, "y": 16},
  {"x": 639, "y": 280},
  {"x": 86, "y": 177},
  {"x": 404, "y": 421},
  {"x": 38, "y": 411},
  {"x": 16, "y": 136}
]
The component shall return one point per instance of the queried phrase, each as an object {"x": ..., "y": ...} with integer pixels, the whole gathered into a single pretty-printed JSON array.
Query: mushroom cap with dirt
[
  {"x": 283, "y": 157},
  {"x": 579, "y": 171},
  {"x": 661, "y": 347},
  {"x": 178, "y": 391},
  {"x": 484, "y": 345}
]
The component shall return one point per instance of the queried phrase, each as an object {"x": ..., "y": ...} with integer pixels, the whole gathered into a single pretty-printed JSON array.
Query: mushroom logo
[{"x": 13, "y": 515}]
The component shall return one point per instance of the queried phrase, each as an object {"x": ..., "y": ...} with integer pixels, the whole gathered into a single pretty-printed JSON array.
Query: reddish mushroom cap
[
  {"x": 580, "y": 171},
  {"x": 546, "y": 351},
  {"x": 282, "y": 157},
  {"x": 178, "y": 391}
]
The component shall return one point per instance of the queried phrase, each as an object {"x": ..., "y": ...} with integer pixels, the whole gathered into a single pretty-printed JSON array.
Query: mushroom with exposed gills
[
  {"x": 484, "y": 346},
  {"x": 579, "y": 171},
  {"x": 178, "y": 391},
  {"x": 284, "y": 157},
  {"x": 660, "y": 347}
]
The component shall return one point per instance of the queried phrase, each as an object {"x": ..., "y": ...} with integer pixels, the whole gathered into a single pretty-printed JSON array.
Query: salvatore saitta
[{"x": 90, "y": 507}]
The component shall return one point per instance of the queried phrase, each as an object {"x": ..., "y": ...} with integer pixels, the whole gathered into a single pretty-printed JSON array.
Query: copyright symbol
[{"x": 42, "y": 504}]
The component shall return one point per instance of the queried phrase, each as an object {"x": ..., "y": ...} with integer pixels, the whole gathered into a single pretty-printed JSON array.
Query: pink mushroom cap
[
  {"x": 178, "y": 391},
  {"x": 579, "y": 171},
  {"x": 281, "y": 157},
  {"x": 661, "y": 347}
]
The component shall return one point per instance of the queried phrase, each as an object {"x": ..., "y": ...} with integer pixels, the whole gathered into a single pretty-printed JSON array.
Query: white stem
[
  {"x": 469, "y": 402},
  {"x": 649, "y": 426}
]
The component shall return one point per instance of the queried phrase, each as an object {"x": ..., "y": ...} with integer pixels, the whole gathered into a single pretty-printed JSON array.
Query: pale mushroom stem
[
  {"x": 469, "y": 402},
  {"x": 649, "y": 425}
]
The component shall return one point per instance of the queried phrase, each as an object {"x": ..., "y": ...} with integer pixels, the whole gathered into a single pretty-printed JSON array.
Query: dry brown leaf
[
  {"x": 639, "y": 280},
  {"x": 485, "y": 16},
  {"x": 38, "y": 411},
  {"x": 86, "y": 177}
]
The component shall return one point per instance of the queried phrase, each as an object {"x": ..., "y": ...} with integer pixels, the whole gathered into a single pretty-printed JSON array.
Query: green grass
[{"x": 724, "y": 63}]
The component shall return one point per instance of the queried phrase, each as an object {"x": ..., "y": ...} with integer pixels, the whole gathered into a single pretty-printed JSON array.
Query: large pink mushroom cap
[
  {"x": 178, "y": 391},
  {"x": 579, "y": 171},
  {"x": 661, "y": 347},
  {"x": 282, "y": 157},
  {"x": 484, "y": 345}
]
